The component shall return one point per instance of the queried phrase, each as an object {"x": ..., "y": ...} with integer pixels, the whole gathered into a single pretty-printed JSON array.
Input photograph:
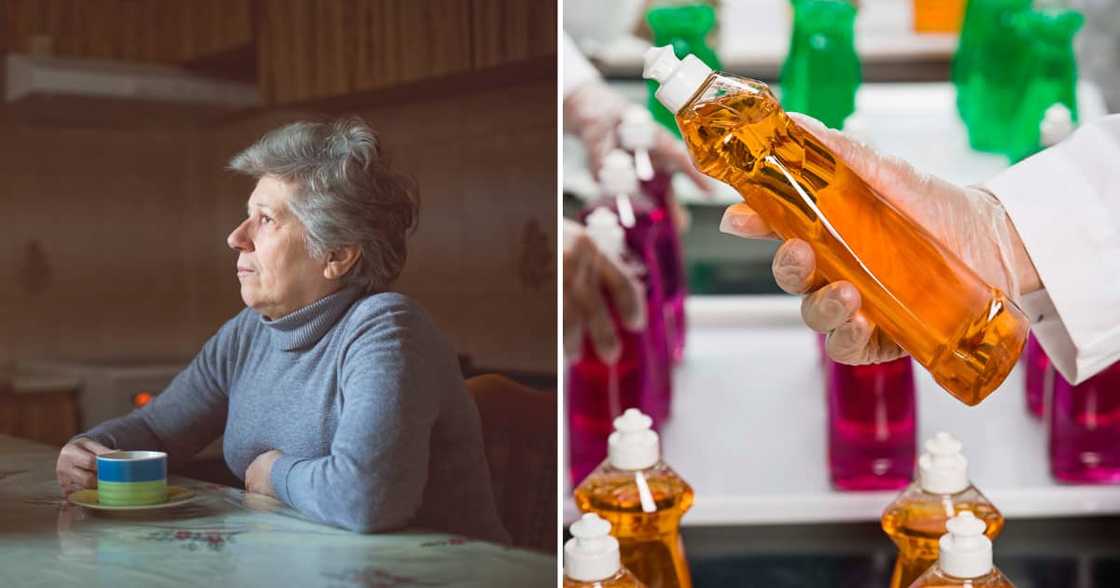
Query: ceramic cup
[{"x": 132, "y": 478}]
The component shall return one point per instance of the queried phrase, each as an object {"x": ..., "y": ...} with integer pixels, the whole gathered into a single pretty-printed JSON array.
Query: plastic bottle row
[
  {"x": 634, "y": 502},
  {"x": 872, "y": 417},
  {"x": 631, "y": 223},
  {"x": 1016, "y": 75}
]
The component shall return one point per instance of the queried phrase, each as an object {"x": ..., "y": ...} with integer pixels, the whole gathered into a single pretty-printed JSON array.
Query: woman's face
[{"x": 276, "y": 272}]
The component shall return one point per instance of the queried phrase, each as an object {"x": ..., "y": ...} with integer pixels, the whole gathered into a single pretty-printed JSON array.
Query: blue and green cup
[{"x": 132, "y": 478}]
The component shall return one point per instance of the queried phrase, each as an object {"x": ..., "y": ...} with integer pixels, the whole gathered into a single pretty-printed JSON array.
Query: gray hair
[{"x": 345, "y": 193}]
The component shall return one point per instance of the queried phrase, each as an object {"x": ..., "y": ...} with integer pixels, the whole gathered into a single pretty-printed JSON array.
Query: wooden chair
[{"x": 519, "y": 432}]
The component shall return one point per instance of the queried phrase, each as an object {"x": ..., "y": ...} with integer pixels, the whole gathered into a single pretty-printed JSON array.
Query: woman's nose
[{"x": 239, "y": 238}]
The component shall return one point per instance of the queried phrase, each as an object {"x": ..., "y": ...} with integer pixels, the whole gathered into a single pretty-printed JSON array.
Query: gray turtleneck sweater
[{"x": 362, "y": 396}]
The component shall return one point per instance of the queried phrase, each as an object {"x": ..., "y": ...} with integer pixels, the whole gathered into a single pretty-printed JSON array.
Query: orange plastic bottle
[
  {"x": 965, "y": 332},
  {"x": 965, "y": 560},
  {"x": 938, "y": 16},
  {"x": 917, "y": 519},
  {"x": 644, "y": 500},
  {"x": 591, "y": 557}
]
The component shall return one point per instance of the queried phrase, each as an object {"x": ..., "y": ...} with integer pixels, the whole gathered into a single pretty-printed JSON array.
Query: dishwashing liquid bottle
[
  {"x": 967, "y": 333},
  {"x": 644, "y": 500}
]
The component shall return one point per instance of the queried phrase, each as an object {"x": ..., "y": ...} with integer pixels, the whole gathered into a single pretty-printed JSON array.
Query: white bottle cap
[
  {"x": 1056, "y": 125},
  {"x": 942, "y": 469},
  {"x": 679, "y": 78},
  {"x": 607, "y": 234},
  {"x": 591, "y": 554},
  {"x": 965, "y": 551},
  {"x": 617, "y": 175},
  {"x": 633, "y": 445},
  {"x": 637, "y": 131}
]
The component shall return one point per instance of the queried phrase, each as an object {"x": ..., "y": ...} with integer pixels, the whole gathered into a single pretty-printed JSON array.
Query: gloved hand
[
  {"x": 588, "y": 273},
  {"x": 968, "y": 220},
  {"x": 592, "y": 113}
]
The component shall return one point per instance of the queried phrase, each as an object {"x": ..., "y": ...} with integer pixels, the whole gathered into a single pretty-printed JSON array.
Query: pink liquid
[
  {"x": 670, "y": 257},
  {"x": 641, "y": 240},
  {"x": 872, "y": 437},
  {"x": 1036, "y": 364},
  {"x": 1085, "y": 429},
  {"x": 598, "y": 392}
]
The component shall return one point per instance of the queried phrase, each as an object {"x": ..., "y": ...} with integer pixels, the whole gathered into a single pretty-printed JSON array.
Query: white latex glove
[
  {"x": 588, "y": 274},
  {"x": 967, "y": 220},
  {"x": 592, "y": 112}
]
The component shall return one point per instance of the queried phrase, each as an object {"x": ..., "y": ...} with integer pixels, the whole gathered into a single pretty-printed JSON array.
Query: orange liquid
[
  {"x": 647, "y": 527},
  {"x": 623, "y": 579},
  {"x": 917, "y": 520},
  {"x": 966, "y": 333},
  {"x": 939, "y": 579}
]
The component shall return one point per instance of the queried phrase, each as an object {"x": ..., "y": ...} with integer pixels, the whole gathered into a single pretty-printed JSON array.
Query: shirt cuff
[
  {"x": 1057, "y": 201},
  {"x": 279, "y": 476}
]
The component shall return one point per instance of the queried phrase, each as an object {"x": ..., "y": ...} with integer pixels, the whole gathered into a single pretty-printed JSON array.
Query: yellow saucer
[{"x": 176, "y": 495}]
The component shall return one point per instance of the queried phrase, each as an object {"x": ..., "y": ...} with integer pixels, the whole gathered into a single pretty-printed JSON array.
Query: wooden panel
[
  {"x": 115, "y": 251},
  {"x": 309, "y": 50},
  {"x": 45, "y": 416},
  {"x": 506, "y": 31},
  {"x": 149, "y": 31}
]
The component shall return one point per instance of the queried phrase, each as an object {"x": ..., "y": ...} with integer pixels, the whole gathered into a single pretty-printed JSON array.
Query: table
[{"x": 225, "y": 537}]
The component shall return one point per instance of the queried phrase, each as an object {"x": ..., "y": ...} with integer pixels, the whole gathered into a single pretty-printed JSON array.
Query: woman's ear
[{"x": 340, "y": 261}]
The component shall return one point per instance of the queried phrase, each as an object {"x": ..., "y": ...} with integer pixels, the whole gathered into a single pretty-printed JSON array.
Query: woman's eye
[{"x": 266, "y": 219}]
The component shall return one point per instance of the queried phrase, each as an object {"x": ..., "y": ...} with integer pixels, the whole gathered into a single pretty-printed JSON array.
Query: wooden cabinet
[
  {"x": 510, "y": 31},
  {"x": 304, "y": 49},
  {"x": 40, "y": 409},
  {"x": 309, "y": 50},
  {"x": 144, "y": 31}
]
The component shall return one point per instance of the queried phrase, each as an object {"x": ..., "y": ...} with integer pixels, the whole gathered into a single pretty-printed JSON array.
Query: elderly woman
[{"x": 336, "y": 396}]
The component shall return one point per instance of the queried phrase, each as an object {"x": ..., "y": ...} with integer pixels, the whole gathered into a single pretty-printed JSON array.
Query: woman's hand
[
  {"x": 76, "y": 468},
  {"x": 258, "y": 478}
]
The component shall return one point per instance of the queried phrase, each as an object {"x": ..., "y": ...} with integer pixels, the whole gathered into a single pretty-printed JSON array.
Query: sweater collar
[{"x": 303, "y": 328}]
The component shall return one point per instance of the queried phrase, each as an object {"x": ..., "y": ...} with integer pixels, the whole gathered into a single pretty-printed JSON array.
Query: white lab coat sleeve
[
  {"x": 577, "y": 70},
  {"x": 1065, "y": 204}
]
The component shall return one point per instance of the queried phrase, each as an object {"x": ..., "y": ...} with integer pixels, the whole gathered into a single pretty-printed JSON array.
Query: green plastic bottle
[
  {"x": 988, "y": 70},
  {"x": 686, "y": 28},
  {"x": 964, "y": 59},
  {"x": 822, "y": 72},
  {"x": 1050, "y": 75}
]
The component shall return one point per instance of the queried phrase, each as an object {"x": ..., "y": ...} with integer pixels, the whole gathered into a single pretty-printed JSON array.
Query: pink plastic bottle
[
  {"x": 1036, "y": 366},
  {"x": 637, "y": 133},
  {"x": 1085, "y": 428},
  {"x": 639, "y": 218},
  {"x": 597, "y": 392},
  {"x": 872, "y": 437}
]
